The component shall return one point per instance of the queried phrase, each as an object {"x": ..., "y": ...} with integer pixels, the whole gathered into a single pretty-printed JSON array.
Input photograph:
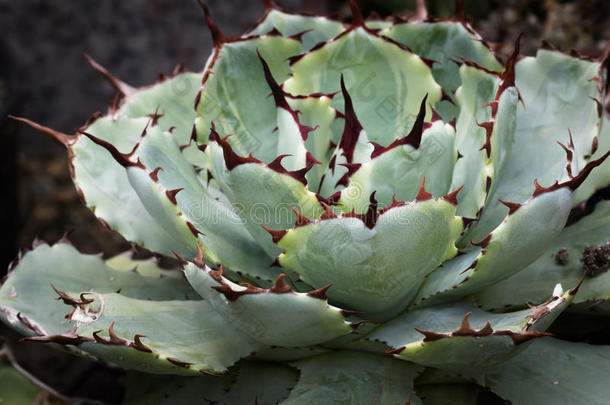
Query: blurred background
[{"x": 44, "y": 77}]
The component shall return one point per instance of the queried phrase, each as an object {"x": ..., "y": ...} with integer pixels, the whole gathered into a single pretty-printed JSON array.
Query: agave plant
[{"x": 376, "y": 212}]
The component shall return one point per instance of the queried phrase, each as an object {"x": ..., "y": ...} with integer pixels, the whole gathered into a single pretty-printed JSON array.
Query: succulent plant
[{"x": 376, "y": 212}]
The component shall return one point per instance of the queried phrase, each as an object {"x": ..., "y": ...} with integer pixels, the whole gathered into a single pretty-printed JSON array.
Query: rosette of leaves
[{"x": 362, "y": 213}]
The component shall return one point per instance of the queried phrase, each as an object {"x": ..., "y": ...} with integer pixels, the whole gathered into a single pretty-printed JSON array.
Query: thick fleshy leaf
[
  {"x": 556, "y": 90},
  {"x": 345, "y": 377},
  {"x": 398, "y": 172},
  {"x": 191, "y": 153},
  {"x": 529, "y": 231},
  {"x": 336, "y": 172},
  {"x": 352, "y": 149},
  {"x": 326, "y": 379},
  {"x": 103, "y": 183},
  {"x": 198, "y": 209},
  {"x": 154, "y": 305},
  {"x": 159, "y": 337},
  {"x": 552, "y": 84},
  {"x": 160, "y": 205},
  {"x": 249, "y": 382},
  {"x": 315, "y": 29},
  {"x": 358, "y": 256},
  {"x": 460, "y": 336},
  {"x": 278, "y": 316},
  {"x": 105, "y": 186},
  {"x": 245, "y": 112},
  {"x": 171, "y": 101},
  {"x": 261, "y": 195},
  {"x": 267, "y": 383},
  {"x": 194, "y": 212},
  {"x": 600, "y": 177},
  {"x": 290, "y": 134},
  {"x": 339, "y": 237},
  {"x": 551, "y": 371},
  {"x": 29, "y": 303},
  {"x": 377, "y": 24},
  {"x": 444, "y": 42},
  {"x": 499, "y": 139},
  {"x": 478, "y": 88},
  {"x": 316, "y": 112},
  {"x": 534, "y": 281},
  {"x": 386, "y": 81}
]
